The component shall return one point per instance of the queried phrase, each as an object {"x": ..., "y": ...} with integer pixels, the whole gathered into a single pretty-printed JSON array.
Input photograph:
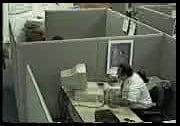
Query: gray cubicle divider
[
  {"x": 48, "y": 58},
  {"x": 76, "y": 24},
  {"x": 17, "y": 87},
  {"x": 166, "y": 9},
  {"x": 158, "y": 20},
  {"x": 36, "y": 109},
  {"x": 7, "y": 78},
  {"x": 115, "y": 22},
  {"x": 89, "y": 24},
  {"x": 168, "y": 58},
  {"x": 146, "y": 54}
]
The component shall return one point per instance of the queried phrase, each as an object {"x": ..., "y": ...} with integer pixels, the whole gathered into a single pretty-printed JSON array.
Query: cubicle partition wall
[
  {"x": 168, "y": 58},
  {"x": 168, "y": 71},
  {"x": 124, "y": 7},
  {"x": 145, "y": 54},
  {"x": 158, "y": 17},
  {"x": 166, "y": 9},
  {"x": 48, "y": 59},
  {"x": 89, "y": 24},
  {"x": 75, "y": 24},
  {"x": 115, "y": 22},
  {"x": 38, "y": 111}
]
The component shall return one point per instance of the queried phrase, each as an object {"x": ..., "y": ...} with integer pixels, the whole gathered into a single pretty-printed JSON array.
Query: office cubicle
[
  {"x": 93, "y": 52},
  {"x": 90, "y": 23},
  {"x": 48, "y": 58},
  {"x": 168, "y": 58},
  {"x": 161, "y": 17}
]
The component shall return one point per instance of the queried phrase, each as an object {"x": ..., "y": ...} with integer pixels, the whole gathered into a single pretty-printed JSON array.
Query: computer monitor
[
  {"x": 119, "y": 51},
  {"x": 75, "y": 78}
]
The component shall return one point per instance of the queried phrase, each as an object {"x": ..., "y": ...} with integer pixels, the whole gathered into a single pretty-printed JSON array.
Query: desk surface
[{"x": 87, "y": 114}]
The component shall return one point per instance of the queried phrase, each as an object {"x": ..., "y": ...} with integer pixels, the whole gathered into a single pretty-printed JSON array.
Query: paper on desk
[
  {"x": 132, "y": 28},
  {"x": 125, "y": 24},
  {"x": 79, "y": 68}
]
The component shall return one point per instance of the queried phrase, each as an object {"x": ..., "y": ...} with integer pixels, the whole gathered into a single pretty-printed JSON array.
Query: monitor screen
[{"x": 119, "y": 51}]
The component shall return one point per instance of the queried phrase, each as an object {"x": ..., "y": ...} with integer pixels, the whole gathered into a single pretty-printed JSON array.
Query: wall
[
  {"x": 36, "y": 109},
  {"x": 168, "y": 58},
  {"x": 114, "y": 24},
  {"x": 76, "y": 24},
  {"x": 5, "y": 23},
  {"x": 166, "y": 9},
  {"x": 7, "y": 78},
  {"x": 89, "y": 23},
  {"x": 120, "y": 7},
  {"x": 155, "y": 19},
  {"x": 48, "y": 64},
  {"x": 115, "y": 21},
  {"x": 145, "y": 57}
]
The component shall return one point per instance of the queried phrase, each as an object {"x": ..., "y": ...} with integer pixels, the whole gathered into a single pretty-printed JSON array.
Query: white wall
[{"x": 5, "y": 23}]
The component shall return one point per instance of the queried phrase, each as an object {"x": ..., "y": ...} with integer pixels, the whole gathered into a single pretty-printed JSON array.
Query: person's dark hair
[
  {"x": 125, "y": 70},
  {"x": 57, "y": 38},
  {"x": 142, "y": 74}
]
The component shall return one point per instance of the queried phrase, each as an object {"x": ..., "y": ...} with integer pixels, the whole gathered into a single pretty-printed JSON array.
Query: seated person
[{"x": 134, "y": 92}]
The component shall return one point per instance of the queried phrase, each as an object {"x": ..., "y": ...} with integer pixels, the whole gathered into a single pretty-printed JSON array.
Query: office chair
[{"x": 159, "y": 95}]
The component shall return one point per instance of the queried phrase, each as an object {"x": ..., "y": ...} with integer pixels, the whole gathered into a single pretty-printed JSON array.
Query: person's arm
[
  {"x": 121, "y": 102},
  {"x": 124, "y": 102}
]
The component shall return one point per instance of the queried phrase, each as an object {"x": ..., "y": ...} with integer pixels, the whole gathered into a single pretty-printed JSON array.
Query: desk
[{"x": 87, "y": 114}]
